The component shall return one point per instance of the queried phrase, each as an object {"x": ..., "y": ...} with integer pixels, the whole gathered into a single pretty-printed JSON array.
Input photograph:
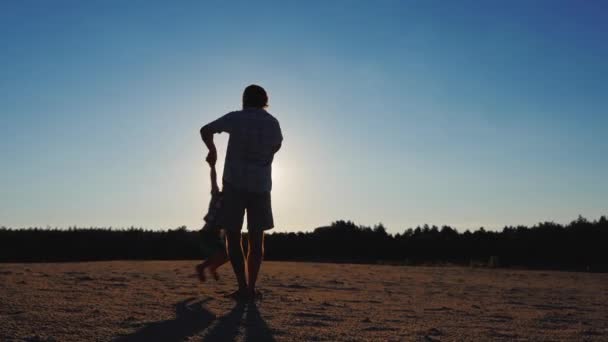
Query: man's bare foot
[
  {"x": 240, "y": 295},
  {"x": 254, "y": 295},
  {"x": 200, "y": 272}
]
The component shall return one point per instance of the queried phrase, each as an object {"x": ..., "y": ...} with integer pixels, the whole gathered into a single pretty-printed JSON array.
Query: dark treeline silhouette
[{"x": 579, "y": 245}]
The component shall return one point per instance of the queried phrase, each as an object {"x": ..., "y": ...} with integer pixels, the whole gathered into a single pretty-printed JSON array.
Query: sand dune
[{"x": 162, "y": 300}]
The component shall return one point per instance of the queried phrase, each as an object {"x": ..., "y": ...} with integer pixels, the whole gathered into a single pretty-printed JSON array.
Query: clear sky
[{"x": 485, "y": 113}]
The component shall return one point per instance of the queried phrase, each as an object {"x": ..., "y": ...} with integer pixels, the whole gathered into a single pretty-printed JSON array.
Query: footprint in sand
[
  {"x": 499, "y": 318},
  {"x": 339, "y": 288},
  {"x": 498, "y": 334},
  {"x": 441, "y": 309},
  {"x": 378, "y": 329},
  {"x": 316, "y": 316},
  {"x": 310, "y": 324},
  {"x": 293, "y": 286},
  {"x": 434, "y": 332}
]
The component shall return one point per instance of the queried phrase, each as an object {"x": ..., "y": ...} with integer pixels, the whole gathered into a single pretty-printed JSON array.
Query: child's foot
[
  {"x": 200, "y": 272},
  {"x": 214, "y": 274}
]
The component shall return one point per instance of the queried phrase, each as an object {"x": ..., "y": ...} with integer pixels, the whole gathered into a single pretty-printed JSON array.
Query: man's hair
[{"x": 255, "y": 96}]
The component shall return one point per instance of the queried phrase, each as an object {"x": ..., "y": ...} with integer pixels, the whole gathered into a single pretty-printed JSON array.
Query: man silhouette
[{"x": 255, "y": 136}]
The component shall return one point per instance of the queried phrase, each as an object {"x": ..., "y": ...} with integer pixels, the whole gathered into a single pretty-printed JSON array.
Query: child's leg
[
  {"x": 217, "y": 260},
  {"x": 213, "y": 263},
  {"x": 200, "y": 269}
]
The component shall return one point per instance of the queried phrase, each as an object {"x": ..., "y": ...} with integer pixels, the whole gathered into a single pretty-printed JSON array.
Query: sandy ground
[{"x": 161, "y": 300}]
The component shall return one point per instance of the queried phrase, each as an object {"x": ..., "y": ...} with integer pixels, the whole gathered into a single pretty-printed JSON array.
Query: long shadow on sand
[
  {"x": 228, "y": 326},
  {"x": 191, "y": 318}
]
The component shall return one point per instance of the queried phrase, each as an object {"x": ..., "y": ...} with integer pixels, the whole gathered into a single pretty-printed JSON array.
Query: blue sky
[{"x": 486, "y": 113}]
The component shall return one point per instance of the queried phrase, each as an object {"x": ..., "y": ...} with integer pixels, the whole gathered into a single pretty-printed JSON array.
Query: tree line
[{"x": 579, "y": 245}]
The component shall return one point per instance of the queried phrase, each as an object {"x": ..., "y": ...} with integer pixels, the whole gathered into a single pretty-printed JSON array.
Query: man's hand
[
  {"x": 207, "y": 135},
  {"x": 211, "y": 157}
]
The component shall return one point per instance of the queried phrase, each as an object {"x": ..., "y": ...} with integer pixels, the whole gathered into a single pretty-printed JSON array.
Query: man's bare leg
[
  {"x": 255, "y": 253},
  {"x": 235, "y": 253}
]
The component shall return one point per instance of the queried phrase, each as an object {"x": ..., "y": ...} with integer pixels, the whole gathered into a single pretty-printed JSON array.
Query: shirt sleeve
[{"x": 223, "y": 124}]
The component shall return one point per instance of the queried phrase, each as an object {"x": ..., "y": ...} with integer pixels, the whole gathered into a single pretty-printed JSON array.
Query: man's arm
[
  {"x": 222, "y": 124},
  {"x": 207, "y": 136}
]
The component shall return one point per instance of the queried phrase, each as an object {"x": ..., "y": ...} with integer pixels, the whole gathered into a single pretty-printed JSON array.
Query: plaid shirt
[{"x": 254, "y": 138}]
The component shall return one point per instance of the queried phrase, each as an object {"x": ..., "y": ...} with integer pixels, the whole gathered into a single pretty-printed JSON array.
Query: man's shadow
[
  {"x": 247, "y": 314},
  {"x": 192, "y": 318}
]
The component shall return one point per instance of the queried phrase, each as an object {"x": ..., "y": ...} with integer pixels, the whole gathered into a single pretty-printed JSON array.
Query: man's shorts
[{"x": 257, "y": 205}]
